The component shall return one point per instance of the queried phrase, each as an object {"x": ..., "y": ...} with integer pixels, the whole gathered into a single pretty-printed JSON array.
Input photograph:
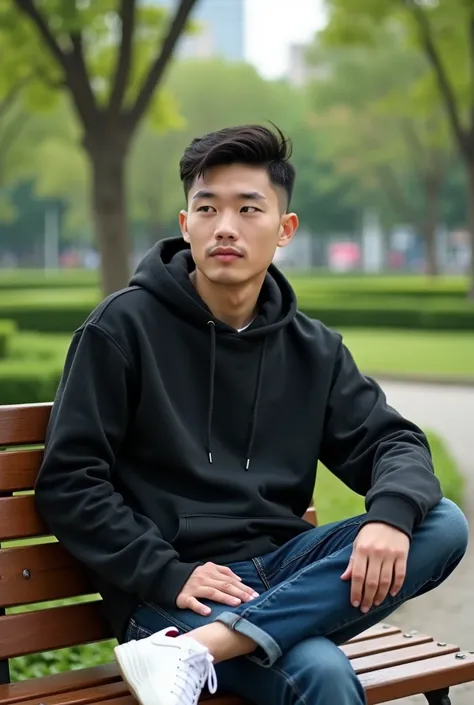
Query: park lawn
[
  {"x": 334, "y": 501},
  {"x": 411, "y": 353}
]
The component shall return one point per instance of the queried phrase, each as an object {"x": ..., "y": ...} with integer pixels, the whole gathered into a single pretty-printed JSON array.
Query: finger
[
  {"x": 243, "y": 592},
  {"x": 227, "y": 571},
  {"x": 213, "y": 593},
  {"x": 399, "y": 573},
  {"x": 385, "y": 582},
  {"x": 348, "y": 571},
  {"x": 241, "y": 586},
  {"x": 372, "y": 581},
  {"x": 190, "y": 603},
  {"x": 359, "y": 569}
]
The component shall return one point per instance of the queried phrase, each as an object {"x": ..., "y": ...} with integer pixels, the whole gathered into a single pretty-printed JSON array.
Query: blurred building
[{"x": 220, "y": 32}]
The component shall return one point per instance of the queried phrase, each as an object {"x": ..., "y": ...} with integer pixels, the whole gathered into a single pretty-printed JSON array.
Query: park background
[{"x": 99, "y": 99}]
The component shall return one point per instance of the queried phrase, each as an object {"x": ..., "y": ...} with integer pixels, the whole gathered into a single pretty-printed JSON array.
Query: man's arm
[
  {"x": 375, "y": 451},
  {"x": 74, "y": 492}
]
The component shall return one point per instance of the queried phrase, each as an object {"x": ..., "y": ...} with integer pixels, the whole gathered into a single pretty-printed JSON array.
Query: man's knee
[{"x": 448, "y": 529}]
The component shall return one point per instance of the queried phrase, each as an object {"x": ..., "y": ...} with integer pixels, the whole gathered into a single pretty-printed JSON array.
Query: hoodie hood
[{"x": 165, "y": 270}]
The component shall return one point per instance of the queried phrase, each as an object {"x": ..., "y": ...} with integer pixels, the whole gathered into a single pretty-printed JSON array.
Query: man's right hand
[{"x": 213, "y": 582}]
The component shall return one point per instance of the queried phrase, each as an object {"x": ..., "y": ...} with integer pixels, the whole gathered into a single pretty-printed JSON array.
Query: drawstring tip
[
  {"x": 247, "y": 464},
  {"x": 210, "y": 458}
]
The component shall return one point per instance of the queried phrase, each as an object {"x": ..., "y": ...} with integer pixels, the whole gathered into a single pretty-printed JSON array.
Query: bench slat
[
  {"x": 399, "y": 656},
  {"x": 55, "y": 628},
  {"x": 23, "y": 424},
  {"x": 45, "y": 686},
  {"x": 53, "y": 574},
  {"x": 417, "y": 677},
  {"x": 383, "y": 643},
  {"x": 18, "y": 469},
  {"x": 19, "y": 518},
  {"x": 85, "y": 695},
  {"x": 375, "y": 632}
]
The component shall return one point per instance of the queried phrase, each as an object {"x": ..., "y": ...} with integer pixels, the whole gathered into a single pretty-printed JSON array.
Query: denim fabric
[{"x": 303, "y": 611}]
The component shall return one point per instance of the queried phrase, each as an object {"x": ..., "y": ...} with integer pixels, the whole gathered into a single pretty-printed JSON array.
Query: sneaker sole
[{"x": 125, "y": 657}]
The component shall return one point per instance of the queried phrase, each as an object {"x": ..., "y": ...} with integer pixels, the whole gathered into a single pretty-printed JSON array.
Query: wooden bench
[{"x": 391, "y": 664}]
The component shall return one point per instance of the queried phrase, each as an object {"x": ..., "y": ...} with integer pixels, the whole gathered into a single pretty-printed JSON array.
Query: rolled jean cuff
[{"x": 268, "y": 651}]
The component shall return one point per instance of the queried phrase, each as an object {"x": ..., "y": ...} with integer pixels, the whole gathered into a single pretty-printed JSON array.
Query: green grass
[
  {"x": 447, "y": 354},
  {"x": 334, "y": 501}
]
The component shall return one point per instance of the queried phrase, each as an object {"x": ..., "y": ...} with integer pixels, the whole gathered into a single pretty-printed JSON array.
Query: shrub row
[
  {"x": 27, "y": 383},
  {"x": 7, "y": 329},
  {"x": 334, "y": 312}
]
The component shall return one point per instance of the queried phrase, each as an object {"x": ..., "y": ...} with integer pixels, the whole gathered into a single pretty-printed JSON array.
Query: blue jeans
[{"x": 303, "y": 611}]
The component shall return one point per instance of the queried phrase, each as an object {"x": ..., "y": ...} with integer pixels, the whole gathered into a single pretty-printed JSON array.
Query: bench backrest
[{"x": 42, "y": 571}]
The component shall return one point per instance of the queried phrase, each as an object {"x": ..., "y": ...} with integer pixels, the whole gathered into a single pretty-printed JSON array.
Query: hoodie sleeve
[
  {"x": 375, "y": 451},
  {"x": 74, "y": 491}
]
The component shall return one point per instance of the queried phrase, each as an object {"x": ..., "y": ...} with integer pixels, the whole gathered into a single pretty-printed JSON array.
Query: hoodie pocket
[{"x": 221, "y": 537}]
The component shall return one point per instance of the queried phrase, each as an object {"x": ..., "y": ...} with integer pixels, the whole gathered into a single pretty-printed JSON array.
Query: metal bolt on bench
[{"x": 389, "y": 662}]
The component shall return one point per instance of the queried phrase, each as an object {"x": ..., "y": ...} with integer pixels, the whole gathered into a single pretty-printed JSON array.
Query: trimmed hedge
[
  {"x": 334, "y": 312},
  {"x": 7, "y": 330},
  {"x": 28, "y": 382}
]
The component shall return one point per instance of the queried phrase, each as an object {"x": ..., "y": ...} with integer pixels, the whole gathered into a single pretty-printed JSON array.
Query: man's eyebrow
[{"x": 244, "y": 196}]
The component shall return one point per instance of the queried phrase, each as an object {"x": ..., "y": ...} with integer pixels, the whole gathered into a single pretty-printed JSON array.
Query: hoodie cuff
[
  {"x": 394, "y": 511},
  {"x": 169, "y": 583}
]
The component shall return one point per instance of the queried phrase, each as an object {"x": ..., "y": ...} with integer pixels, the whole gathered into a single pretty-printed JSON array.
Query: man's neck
[{"x": 234, "y": 305}]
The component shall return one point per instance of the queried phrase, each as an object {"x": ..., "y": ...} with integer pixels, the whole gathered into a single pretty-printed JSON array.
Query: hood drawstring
[
  {"x": 212, "y": 372},
  {"x": 253, "y": 424}
]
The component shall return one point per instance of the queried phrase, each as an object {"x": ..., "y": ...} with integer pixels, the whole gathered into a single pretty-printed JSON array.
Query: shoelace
[{"x": 194, "y": 672}]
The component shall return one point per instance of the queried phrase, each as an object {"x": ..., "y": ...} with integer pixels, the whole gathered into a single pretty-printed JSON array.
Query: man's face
[{"x": 234, "y": 223}]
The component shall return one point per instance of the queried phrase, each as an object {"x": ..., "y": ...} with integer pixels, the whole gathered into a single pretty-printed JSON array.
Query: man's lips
[{"x": 225, "y": 254}]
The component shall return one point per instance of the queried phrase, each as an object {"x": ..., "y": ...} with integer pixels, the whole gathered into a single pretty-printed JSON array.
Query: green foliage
[
  {"x": 7, "y": 330},
  {"x": 33, "y": 382},
  {"x": 334, "y": 501}
]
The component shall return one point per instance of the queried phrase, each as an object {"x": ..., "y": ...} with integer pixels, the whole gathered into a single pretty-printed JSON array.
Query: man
[{"x": 182, "y": 449}]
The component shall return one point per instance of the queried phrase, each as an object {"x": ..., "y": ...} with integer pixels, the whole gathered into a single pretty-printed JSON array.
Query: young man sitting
[{"x": 182, "y": 452}]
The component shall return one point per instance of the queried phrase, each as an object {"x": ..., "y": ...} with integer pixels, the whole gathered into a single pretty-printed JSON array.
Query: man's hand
[
  {"x": 213, "y": 582},
  {"x": 377, "y": 565}
]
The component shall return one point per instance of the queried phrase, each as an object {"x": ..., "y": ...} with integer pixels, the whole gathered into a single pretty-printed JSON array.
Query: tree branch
[
  {"x": 29, "y": 8},
  {"x": 127, "y": 21},
  {"x": 445, "y": 87},
  {"x": 79, "y": 82},
  {"x": 159, "y": 65}
]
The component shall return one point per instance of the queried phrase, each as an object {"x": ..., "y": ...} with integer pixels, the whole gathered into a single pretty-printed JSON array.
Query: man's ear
[
  {"x": 183, "y": 224},
  {"x": 288, "y": 227}
]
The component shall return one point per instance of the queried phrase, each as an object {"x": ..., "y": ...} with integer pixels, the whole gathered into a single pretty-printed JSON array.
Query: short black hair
[{"x": 245, "y": 144}]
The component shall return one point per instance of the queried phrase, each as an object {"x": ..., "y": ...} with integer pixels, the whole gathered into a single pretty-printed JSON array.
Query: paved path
[{"x": 448, "y": 612}]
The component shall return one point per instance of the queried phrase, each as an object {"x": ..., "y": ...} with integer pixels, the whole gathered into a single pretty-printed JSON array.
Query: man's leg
[
  {"x": 314, "y": 672},
  {"x": 314, "y": 601}
]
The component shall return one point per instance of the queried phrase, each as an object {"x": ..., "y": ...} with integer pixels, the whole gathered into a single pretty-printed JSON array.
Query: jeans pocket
[{"x": 135, "y": 632}]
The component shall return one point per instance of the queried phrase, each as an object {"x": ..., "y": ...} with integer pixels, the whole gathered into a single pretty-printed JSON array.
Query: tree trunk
[
  {"x": 432, "y": 192},
  {"x": 470, "y": 225},
  {"x": 108, "y": 161}
]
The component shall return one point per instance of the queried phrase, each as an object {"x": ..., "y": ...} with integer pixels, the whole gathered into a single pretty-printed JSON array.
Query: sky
[{"x": 272, "y": 25}]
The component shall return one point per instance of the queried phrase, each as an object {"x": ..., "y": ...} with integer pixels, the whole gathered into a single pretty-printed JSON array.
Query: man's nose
[{"x": 226, "y": 228}]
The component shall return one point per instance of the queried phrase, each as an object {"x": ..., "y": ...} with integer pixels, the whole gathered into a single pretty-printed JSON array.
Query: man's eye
[
  {"x": 250, "y": 209},
  {"x": 204, "y": 209}
]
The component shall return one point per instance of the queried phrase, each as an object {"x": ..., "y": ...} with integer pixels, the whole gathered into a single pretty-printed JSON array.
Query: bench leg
[{"x": 438, "y": 697}]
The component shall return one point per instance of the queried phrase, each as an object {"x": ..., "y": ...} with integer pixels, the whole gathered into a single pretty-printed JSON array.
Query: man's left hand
[{"x": 377, "y": 565}]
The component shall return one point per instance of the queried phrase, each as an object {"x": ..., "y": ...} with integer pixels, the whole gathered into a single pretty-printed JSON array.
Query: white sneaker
[{"x": 166, "y": 669}]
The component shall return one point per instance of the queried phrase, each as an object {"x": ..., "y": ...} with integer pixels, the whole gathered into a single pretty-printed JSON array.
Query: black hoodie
[{"x": 174, "y": 439}]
